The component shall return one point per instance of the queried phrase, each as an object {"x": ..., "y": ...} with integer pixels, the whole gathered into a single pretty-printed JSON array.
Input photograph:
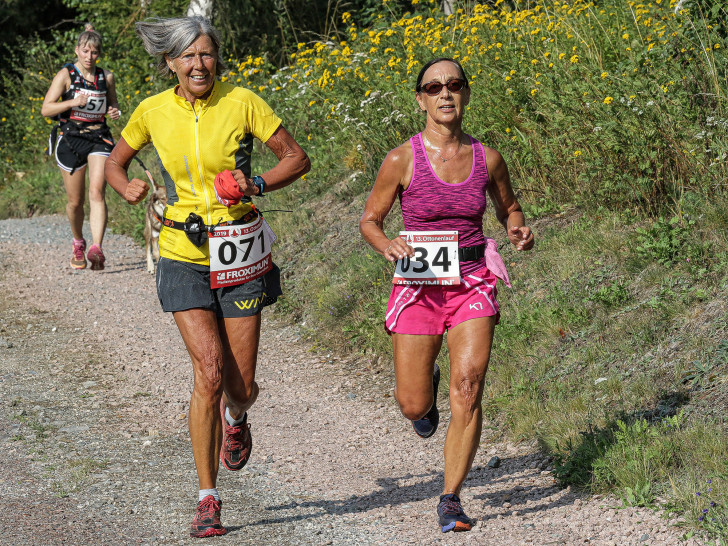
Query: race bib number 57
[
  {"x": 239, "y": 254},
  {"x": 435, "y": 261}
]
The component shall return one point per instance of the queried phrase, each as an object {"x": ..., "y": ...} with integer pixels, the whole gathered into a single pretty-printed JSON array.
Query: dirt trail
[{"x": 94, "y": 383}]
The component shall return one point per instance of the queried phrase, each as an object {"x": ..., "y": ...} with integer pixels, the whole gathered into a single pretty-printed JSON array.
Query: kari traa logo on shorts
[{"x": 477, "y": 305}]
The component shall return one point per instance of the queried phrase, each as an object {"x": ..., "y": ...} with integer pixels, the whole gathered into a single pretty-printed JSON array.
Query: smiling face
[
  {"x": 195, "y": 69},
  {"x": 87, "y": 55},
  {"x": 447, "y": 106}
]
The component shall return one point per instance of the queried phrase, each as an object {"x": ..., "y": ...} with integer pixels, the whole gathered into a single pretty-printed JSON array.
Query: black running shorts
[
  {"x": 184, "y": 285},
  {"x": 72, "y": 151}
]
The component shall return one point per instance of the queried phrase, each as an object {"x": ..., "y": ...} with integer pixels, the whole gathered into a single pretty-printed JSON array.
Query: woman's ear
[
  {"x": 419, "y": 102},
  {"x": 170, "y": 63}
]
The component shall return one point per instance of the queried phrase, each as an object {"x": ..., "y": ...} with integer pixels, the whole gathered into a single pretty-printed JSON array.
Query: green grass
[{"x": 611, "y": 351}]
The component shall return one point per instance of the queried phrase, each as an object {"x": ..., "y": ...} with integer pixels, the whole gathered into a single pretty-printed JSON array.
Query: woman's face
[
  {"x": 446, "y": 106},
  {"x": 87, "y": 55},
  {"x": 195, "y": 69}
]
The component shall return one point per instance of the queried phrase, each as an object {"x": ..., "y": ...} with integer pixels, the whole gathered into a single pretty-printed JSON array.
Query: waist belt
[
  {"x": 471, "y": 253},
  {"x": 249, "y": 217}
]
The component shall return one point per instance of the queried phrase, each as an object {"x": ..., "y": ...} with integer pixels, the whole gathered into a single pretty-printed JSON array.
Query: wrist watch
[{"x": 258, "y": 181}]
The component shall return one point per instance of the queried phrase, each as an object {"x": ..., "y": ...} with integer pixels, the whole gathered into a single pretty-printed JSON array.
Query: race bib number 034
[
  {"x": 239, "y": 254},
  {"x": 435, "y": 261}
]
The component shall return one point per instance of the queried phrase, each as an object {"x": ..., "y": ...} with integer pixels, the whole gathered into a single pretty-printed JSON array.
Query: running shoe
[
  {"x": 96, "y": 256},
  {"x": 236, "y": 442},
  {"x": 207, "y": 519},
  {"x": 427, "y": 426},
  {"x": 451, "y": 515},
  {"x": 78, "y": 260}
]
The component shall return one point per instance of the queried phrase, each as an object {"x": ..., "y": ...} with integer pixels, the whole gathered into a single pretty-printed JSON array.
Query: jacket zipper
[{"x": 200, "y": 173}]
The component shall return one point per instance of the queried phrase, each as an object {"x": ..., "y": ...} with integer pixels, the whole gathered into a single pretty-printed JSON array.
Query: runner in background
[
  {"x": 442, "y": 176},
  {"x": 80, "y": 97},
  {"x": 215, "y": 273}
]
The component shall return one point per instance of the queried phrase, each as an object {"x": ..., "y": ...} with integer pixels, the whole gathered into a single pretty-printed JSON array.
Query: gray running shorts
[{"x": 184, "y": 285}]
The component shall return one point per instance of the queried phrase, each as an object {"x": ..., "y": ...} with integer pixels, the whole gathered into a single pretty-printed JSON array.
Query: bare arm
[
  {"x": 60, "y": 84},
  {"x": 292, "y": 164},
  {"x": 116, "y": 172},
  {"x": 394, "y": 174},
  {"x": 507, "y": 208},
  {"x": 113, "y": 104}
]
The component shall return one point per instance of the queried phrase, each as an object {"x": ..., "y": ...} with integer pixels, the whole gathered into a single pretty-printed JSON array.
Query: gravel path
[{"x": 94, "y": 386}]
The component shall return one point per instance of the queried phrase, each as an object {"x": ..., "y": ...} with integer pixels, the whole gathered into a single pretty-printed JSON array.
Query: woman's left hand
[
  {"x": 521, "y": 237},
  {"x": 113, "y": 113},
  {"x": 246, "y": 184}
]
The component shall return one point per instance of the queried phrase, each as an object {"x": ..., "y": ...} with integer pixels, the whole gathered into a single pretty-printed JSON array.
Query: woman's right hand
[
  {"x": 397, "y": 250},
  {"x": 81, "y": 100},
  {"x": 136, "y": 191}
]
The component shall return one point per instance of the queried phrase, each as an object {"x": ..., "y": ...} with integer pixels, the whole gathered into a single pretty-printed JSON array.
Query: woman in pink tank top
[{"x": 441, "y": 177}]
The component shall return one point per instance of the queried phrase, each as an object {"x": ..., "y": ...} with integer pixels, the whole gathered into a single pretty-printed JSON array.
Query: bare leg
[
  {"x": 75, "y": 194},
  {"x": 200, "y": 333},
  {"x": 224, "y": 355},
  {"x": 98, "y": 214},
  {"x": 240, "y": 338},
  {"x": 414, "y": 362},
  {"x": 469, "y": 344}
]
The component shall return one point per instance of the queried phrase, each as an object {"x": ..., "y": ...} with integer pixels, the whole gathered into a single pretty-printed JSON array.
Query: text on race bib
[
  {"x": 436, "y": 259},
  {"x": 94, "y": 109},
  {"x": 239, "y": 254}
]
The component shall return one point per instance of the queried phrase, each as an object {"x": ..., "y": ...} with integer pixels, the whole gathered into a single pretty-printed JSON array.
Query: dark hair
[{"x": 428, "y": 64}]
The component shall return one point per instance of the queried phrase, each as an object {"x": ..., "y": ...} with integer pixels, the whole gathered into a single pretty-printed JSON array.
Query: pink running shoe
[
  {"x": 96, "y": 256},
  {"x": 207, "y": 519},
  {"x": 78, "y": 260},
  {"x": 236, "y": 442}
]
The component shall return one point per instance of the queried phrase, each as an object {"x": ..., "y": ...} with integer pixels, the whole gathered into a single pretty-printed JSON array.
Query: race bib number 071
[
  {"x": 435, "y": 262},
  {"x": 239, "y": 254}
]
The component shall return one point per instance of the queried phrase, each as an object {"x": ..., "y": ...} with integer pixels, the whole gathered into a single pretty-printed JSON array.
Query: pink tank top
[{"x": 429, "y": 204}]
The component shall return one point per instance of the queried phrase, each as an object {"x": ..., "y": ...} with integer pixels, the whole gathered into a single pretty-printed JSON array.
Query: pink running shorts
[{"x": 430, "y": 310}]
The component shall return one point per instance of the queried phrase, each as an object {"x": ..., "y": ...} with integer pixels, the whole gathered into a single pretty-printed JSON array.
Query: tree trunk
[
  {"x": 200, "y": 7},
  {"x": 448, "y": 7}
]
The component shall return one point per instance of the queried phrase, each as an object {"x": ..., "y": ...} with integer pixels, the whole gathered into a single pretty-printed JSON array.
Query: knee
[
  {"x": 466, "y": 393},
  {"x": 414, "y": 407},
  {"x": 96, "y": 194},
  {"x": 208, "y": 378},
  {"x": 75, "y": 203}
]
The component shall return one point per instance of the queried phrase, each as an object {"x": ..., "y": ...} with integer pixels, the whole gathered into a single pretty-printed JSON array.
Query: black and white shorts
[
  {"x": 72, "y": 150},
  {"x": 183, "y": 285}
]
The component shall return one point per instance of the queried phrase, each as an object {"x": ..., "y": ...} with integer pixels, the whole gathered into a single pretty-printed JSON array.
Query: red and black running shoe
[
  {"x": 236, "y": 442},
  {"x": 451, "y": 514},
  {"x": 207, "y": 519}
]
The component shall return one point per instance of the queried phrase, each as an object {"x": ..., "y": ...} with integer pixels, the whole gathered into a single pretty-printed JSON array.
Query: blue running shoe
[
  {"x": 451, "y": 515},
  {"x": 427, "y": 426}
]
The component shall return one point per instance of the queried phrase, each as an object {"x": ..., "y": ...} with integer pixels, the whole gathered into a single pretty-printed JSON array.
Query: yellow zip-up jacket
[{"x": 194, "y": 144}]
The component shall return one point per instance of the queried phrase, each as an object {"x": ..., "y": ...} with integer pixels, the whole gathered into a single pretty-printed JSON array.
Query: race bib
[
  {"x": 436, "y": 259},
  {"x": 94, "y": 109},
  {"x": 239, "y": 254}
]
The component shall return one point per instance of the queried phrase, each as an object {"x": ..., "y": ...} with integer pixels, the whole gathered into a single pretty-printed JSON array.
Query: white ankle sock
[
  {"x": 232, "y": 422},
  {"x": 205, "y": 492}
]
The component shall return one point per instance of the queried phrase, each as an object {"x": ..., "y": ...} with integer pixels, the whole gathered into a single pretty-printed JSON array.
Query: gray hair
[{"x": 170, "y": 37}]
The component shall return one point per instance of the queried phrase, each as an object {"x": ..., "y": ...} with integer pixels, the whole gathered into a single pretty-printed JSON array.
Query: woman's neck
[
  {"x": 440, "y": 136},
  {"x": 88, "y": 76}
]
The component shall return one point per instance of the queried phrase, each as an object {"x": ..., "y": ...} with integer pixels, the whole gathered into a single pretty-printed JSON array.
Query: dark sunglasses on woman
[{"x": 434, "y": 88}]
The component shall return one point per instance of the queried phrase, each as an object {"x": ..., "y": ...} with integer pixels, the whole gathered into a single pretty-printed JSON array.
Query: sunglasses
[{"x": 434, "y": 88}]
